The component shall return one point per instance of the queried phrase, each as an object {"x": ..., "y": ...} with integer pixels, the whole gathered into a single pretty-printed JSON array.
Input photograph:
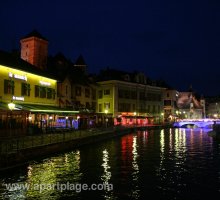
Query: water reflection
[
  {"x": 165, "y": 164},
  {"x": 108, "y": 193},
  {"x": 43, "y": 179},
  {"x": 135, "y": 173},
  {"x": 107, "y": 174}
]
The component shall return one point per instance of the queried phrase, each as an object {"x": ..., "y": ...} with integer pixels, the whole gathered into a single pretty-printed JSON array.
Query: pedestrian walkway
[{"x": 13, "y": 145}]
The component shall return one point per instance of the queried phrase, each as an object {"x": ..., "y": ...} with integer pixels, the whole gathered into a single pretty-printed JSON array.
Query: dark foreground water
[{"x": 156, "y": 164}]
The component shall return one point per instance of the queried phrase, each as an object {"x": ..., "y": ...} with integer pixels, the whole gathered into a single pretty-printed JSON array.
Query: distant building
[
  {"x": 170, "y": 97},
  {"x": 128, "y": 99},
  {"x": 213, "y": 110},
  {"x": 190, "y": 106}
]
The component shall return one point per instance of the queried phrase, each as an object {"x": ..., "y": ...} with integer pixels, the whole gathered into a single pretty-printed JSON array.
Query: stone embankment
[{"x": 18, "y": 151}]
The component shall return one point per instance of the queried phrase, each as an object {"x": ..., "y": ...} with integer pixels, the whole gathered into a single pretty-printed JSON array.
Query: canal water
[{"x": 155, "y": 164}]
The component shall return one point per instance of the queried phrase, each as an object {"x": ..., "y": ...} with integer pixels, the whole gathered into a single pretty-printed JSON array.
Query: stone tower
[{"x": 34, "y": 49}]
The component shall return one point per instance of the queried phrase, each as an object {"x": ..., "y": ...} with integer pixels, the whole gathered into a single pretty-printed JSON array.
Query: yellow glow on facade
[
  {"x": 7, "y": 72},
  {"x": 20, "y": 77}
]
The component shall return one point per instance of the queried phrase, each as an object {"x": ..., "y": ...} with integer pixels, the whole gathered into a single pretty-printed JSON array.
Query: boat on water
[{"x": 215, "y": 132}]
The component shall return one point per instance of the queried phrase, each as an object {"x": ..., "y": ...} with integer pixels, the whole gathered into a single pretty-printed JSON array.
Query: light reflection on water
[{"x": 166, "y": 164}]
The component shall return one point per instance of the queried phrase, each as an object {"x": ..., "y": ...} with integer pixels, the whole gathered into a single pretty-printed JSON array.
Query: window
[
  {"x": 87, "y": 105},
  {"x": 133, "y": 95},
  {"x": 158, "y": 109},
  {"x": 42, "y": 92},
  {"x": 87, "y": 92},
  {"x": 100, "y": 94},
  {"x": 168, "y": 94},
  {"x": 167, "y": 102},
  {"x": 100, "y": 107},
  {"x": 25, "y": 89},
  {"x": 78, "y": 91},
  {"x": 124, "y": 107},
  {"x": 93, "y": 105},
  {"x": 66, "y": 90},
  {"x": 37, "y": 90},
  {"x": 107, "y": 92},
  {"x": 154, "y": 109},
  {"x": 53, "y": 93},
  {"x": 107, "y": 105},
  {"x": 134, "y": 107},
  {"x": 9, "y": 87},
  {"x": 93, "y": 94},
  {"x": 149, "y": 108},
  {"x": 49, "y": 93}
]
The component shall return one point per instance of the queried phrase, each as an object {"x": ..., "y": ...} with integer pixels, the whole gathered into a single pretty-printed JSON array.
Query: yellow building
[
  {"x": 27, "y": 87},
  {"x": 33, "y": 94},
  {"x": 129, "y": 103}
]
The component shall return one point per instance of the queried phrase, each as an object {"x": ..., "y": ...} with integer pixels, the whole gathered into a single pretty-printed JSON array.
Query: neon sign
[
  {"x": 18, "y": 98},
  {"x": 45, "y": 83},
  {"x": 17, "y": 76}
]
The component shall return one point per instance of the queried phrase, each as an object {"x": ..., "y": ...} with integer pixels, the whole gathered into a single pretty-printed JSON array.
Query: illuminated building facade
[
  {"x": 27, "y": 87},
  {"x": 170, "y": 97},
  {"x": 76, "y": 90},
  {"x": 130, "y": 101},
  {"x": 213, "y": 110},
  {"x": 189, "y": 106}
]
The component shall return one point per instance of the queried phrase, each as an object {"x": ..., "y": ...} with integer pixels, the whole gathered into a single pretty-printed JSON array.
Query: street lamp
[
  {"x": 66, "y": 121},
  {"x": 78, "y": 117},
  {"x": 106, "y": 118},
  {"x": 11, "y": 106},
  {"x": 162, "y": 117},
  {"x": 135, "y": 118}
]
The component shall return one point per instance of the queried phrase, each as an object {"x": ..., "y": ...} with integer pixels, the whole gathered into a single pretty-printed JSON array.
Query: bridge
[{"x": 196, "y": 123}]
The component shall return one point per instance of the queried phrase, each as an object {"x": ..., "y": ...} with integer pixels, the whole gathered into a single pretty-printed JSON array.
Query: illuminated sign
[
  {"x": 17, "y": 76},
  {"x": 18, "y": 98},
  {"x": 45, "y": 83}
]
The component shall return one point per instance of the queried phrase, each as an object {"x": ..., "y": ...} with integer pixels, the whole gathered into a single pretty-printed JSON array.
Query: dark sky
[{"x": 178, "y": 41}]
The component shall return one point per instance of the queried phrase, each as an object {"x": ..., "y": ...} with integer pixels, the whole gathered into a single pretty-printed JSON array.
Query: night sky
[{"x": 177, "y": 41}]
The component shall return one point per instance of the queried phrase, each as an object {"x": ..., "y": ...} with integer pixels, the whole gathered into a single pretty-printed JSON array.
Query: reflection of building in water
[
  {"x": 107, "y": 174},
  {"x": 135, "y": 174}
]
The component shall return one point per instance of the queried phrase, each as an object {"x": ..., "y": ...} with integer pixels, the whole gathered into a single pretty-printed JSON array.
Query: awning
[
  {"x": 36, "y": 108},
  {"x": 4, "y": 106}
]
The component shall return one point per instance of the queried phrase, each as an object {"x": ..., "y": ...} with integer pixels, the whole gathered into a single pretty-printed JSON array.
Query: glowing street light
[
  {"x": 162, "y": 116},
  {"x": 67, "y": 121},
  {"x": 78, "y": 117},
  {"x": 11, "y": 106},
  {"x": 106, "y": 118},
  {"x": 135, "y": 114}
]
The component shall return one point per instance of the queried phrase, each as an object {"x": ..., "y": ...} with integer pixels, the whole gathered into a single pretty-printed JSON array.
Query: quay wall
[{"x": 23, "y": 156}]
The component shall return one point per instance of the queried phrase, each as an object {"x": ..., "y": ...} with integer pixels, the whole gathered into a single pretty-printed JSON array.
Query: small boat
[{"x": 215, "y": 132}]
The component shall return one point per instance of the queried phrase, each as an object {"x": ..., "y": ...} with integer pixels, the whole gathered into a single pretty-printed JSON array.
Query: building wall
[
  {"x": 19, "y": 77},
  {"x": 120, "y": 98},
  {"x": 82, "y": 96},
  {"x": 213, "y": 110},
  {"x": 35, "y": 50},
  {"x": 77, "y": 95},
  {"x": 170, "y": 99}
]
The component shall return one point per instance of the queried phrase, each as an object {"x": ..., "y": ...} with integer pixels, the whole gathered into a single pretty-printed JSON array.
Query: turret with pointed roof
[{"x": 80, "y": 63}]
